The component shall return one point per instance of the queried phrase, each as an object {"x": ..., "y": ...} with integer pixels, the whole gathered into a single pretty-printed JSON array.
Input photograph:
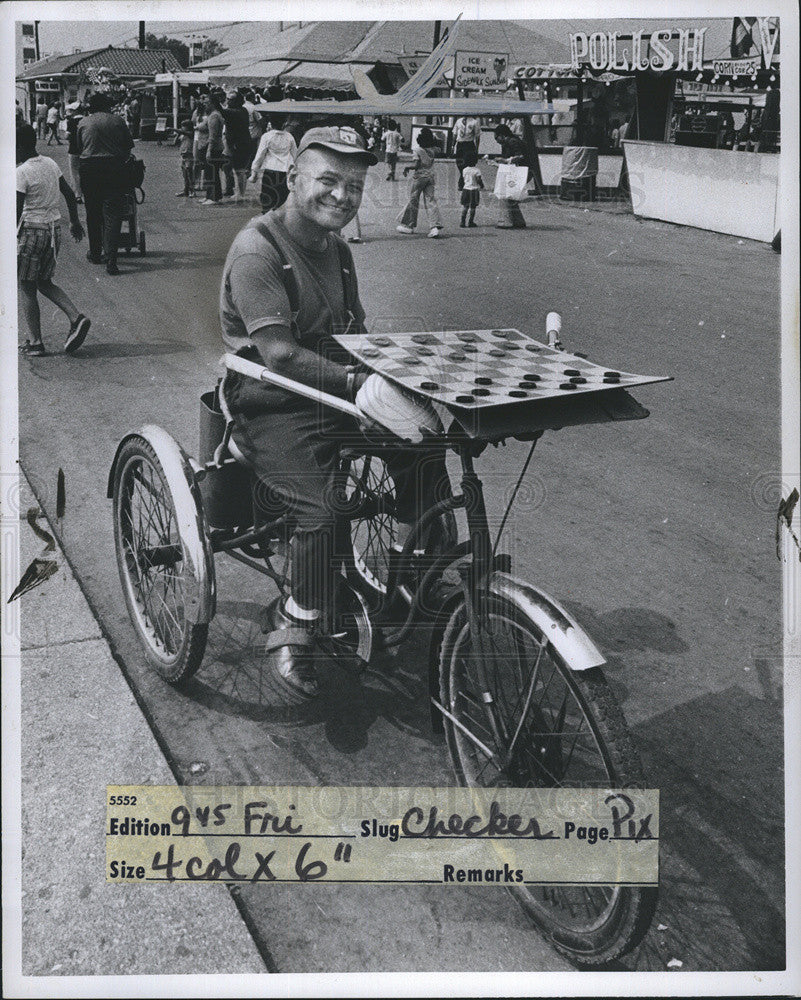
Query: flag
[{"x": 742, "y": 36}]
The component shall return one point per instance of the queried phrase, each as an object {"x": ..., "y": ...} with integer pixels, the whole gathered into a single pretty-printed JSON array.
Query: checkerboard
[{"x": 472, "y": 370}]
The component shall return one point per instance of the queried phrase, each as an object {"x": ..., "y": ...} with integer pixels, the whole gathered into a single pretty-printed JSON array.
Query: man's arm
[
  {"x": 72, "y": 207},
  {"x": 283, "y": 355},
  {"x": 20, "y": 205}
]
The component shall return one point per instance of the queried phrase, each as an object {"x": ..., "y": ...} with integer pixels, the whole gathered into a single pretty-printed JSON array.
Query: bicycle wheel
[
  {"x": 572, "y": 733},
  {"x": 158, "y": 563},
  {"x": 373, "y": 535}
]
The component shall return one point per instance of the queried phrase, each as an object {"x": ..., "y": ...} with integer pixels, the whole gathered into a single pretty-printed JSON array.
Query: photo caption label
[{"x": 486, "y": 836}]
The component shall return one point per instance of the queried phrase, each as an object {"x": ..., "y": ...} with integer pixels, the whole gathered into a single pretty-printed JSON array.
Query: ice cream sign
[
  {"x": 481, "y": 70},
  {"x": 662, "y": 50}
]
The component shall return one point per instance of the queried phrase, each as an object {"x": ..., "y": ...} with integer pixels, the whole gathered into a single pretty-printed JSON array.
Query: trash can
[{"x": 579, "y": 173}]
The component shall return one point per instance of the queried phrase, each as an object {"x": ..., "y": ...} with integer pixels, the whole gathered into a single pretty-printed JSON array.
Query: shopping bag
[{"x": 511, "y": 182}]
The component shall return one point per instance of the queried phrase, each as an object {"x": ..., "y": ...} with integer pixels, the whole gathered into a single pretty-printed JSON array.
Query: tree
[
  {"x": 175, "y": 45},
  {"x": 211, "y": 48}
]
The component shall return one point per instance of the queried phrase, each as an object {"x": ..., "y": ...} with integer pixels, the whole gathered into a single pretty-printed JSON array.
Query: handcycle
[{"x": 515, "y": 683}]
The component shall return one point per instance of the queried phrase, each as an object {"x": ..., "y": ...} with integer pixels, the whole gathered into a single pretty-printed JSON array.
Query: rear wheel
[
  {"x": 158, "y": 567},
  {"x": 570, "y": 731}
]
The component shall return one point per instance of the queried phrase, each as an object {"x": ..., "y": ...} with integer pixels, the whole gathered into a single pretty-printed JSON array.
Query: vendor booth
[{"x": 700, "y": 147}]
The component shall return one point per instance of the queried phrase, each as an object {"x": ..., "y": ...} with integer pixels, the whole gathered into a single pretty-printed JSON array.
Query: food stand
[{"x": 679, "y": 167}]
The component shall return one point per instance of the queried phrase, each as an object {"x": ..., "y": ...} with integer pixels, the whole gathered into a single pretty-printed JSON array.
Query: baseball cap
[{"x": 341, "y": 139}]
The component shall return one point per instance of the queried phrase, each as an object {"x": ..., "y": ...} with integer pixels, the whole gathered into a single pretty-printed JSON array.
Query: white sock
[{"x": 294, "y": 610}]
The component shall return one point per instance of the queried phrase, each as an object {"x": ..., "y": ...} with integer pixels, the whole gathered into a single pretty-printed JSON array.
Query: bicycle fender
[
  {"x": 191, "y": 521},
  {"x": 561, "y": 629}
]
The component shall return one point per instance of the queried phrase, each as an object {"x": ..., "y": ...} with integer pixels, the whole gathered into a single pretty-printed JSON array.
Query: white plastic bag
[{"x": 511, "y": 182}]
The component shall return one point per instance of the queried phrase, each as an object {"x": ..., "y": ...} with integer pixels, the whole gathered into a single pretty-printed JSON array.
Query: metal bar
[
  {"x": 262, "y": 374},
  {"x": 464, "y": 729}
]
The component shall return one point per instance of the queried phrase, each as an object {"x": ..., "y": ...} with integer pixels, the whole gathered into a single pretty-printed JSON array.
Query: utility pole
[
  {"x": 141, "y": 34},
  {"x": 437, "y": 30}
]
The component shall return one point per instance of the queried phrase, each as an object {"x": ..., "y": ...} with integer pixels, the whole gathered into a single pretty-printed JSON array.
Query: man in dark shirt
[
  {"x": 292, "y": 443},
  {"x": 104, "y": 144}
]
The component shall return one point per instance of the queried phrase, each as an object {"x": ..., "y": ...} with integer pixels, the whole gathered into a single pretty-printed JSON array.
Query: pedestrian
[
  {"x": 39, "y": 181},
  {"x": 134, "y": 117},
  {"x": 275, "y": 155},
  {"x": 237, "y": 140},
  {"x": 215, "y": 153},
  {"x": 200, "y": 143},
  {"x": 392, "y": 143},
  {"x": 473, "y": 184},
  {"x": 466, "y": 134},
  {"x": 74, "y": 112},
  {"x": 255, "y": 123},
  {"x": 422, "y": 185},
  {"x": 186, "y": 140},
  {"x": 513, "y": 150},
  {"x": 41, "y": 118},
  {"x": 53, "y": 117},
  {"x": 104, "y": 145}
]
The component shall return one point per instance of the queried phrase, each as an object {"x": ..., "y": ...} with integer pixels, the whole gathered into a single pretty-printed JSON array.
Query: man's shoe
[
  {"x": 77, "y": 334},
  {"x": 434, "y": 233},
  {"x": 290, "y": 651},
  {"x": 207, "y": 201},
  {"x": 404, "y": 229},
  {"x": 112, "y": 269},
  {"x": 93, "y": 258},
  {"x": 181, "y": 194},
  {"x": 472, "y": 225}
]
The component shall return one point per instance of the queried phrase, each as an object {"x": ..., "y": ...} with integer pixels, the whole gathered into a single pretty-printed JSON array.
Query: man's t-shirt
[
  {"x": 38, "y": 179},
  {"x": 253, "y": 293},
  {"x": 392, "y": 140},
  {"x": 104, "y": 134},
  {"x": 237, "y": 132}
]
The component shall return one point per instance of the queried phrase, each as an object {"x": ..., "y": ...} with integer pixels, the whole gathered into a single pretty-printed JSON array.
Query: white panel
[{"x": 718, "y": 189}]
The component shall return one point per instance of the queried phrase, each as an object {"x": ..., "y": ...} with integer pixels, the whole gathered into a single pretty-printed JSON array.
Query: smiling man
[{"x": 289, "y": 284}]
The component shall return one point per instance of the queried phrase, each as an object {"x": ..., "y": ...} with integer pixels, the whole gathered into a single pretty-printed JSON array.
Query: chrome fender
[
  {"x": 179, "y": 471},
  {"x": 561, "y": 629}
]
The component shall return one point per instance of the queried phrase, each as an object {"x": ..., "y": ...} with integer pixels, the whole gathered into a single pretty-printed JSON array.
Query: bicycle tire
[
  {"x": 174, "y": 650},
  {"x": 625, "y": 912}
]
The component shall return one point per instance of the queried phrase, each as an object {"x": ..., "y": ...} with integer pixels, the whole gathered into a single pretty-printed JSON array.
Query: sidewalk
[{"x": 81, "y": 730}]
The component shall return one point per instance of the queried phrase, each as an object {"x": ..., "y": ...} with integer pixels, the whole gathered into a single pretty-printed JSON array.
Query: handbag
[{"x": 511, "y": 182}]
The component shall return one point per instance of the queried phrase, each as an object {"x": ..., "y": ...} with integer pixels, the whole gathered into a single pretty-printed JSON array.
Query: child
[
  {"x": 422, "y": 184},
  {"x": 185, "y": 140},
  {"x": 473, "y": 183},
  {"x": 392, "y": 142},
  {"x": 39, "y": 181}
]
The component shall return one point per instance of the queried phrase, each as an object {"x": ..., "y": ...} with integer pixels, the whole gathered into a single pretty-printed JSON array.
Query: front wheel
[{"x": 570, "y": 732}]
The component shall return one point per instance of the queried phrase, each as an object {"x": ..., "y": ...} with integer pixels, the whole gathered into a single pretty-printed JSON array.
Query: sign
[
  {"x": 481, "y": 70},
  {"x": 667, "y": 49},
  {"x": 411, "y": 64},
  {"x": 737, "y": 67}
]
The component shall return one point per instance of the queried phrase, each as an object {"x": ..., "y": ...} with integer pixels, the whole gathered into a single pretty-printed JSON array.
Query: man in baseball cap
[
  {"x": 339, "y": 138},
  {"x": 289, "y": 283}
]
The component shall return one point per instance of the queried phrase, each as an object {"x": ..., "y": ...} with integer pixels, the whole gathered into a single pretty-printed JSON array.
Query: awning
[{"x": 323, "y": 76}]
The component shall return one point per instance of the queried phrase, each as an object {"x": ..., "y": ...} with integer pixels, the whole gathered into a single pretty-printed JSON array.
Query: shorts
[
  {"x": 470, "y": 198},
  {"x": 36, "y": 254}
]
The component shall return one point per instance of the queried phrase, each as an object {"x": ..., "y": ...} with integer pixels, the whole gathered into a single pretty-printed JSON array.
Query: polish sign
[
  {"x": 481, "y": 70},
  {"x": 661, "y": 50}
]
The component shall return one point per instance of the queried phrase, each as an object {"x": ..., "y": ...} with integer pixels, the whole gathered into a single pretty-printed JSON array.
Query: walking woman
[
  {"x": 422, "y": 184},
  {"x": 275, "y": 154}
]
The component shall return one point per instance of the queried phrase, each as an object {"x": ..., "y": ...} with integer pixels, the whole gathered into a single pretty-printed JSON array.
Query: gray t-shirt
[{"x": 253, "y": 291}]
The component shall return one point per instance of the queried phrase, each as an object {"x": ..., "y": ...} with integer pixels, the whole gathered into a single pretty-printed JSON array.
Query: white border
[{"x": 414, "y": 984}]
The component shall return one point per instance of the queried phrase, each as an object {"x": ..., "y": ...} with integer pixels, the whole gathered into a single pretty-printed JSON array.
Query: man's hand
[{"x": 76, "y": 229}]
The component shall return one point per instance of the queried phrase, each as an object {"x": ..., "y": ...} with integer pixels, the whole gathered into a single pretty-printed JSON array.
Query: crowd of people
[{"x": 225, "y": 142}]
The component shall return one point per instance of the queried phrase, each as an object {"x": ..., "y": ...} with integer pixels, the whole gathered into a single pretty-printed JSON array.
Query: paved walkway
[{"x": 81, "y": 730}]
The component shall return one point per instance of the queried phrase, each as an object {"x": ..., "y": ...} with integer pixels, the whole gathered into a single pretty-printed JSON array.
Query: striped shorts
[{"x": 37, "y": 252}]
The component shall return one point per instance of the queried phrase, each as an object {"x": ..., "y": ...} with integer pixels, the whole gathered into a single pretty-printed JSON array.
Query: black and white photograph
[{"x": 399, "y": 485}]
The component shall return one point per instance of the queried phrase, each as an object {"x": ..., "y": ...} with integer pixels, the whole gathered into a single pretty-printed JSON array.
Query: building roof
[
  {"x": 371, "y": 41},
  {"x": 121, "y": 62},
  {"x": 264, "y": 43}
]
